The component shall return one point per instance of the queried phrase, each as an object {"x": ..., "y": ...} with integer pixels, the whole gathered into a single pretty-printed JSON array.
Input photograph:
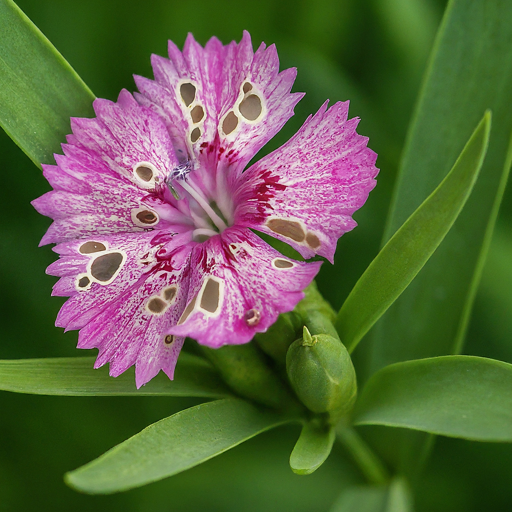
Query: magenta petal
[
  {"x": 238, "y": 287},
  {"x": 152, "y": 209},
  {"x": 305, "y": 192},
  {"x": 225, "y": 80}
]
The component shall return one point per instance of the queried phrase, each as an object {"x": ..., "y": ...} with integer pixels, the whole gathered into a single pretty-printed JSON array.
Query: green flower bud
[
  {"x": 322, "y": 374},
  {"x": 279, "y": 336}
]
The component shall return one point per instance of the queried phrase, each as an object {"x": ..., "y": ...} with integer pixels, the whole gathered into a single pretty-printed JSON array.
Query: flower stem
[{"x": 368, "y": 462}]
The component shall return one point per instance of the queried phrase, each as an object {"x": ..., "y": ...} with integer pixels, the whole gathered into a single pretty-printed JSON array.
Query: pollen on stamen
[{"x": 247, "y": 87}]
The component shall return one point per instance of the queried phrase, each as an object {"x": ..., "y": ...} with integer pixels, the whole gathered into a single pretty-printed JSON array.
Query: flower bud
[
  {"x": 322, "y": 375},
  {"x": 279, "y": 336}
]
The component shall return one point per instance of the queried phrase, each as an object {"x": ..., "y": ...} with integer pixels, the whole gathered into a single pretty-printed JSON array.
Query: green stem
[{"x": 369, "y": 463}]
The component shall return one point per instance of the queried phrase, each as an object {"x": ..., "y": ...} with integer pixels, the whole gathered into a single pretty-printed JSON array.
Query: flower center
[{"x": 179, "y": 176}]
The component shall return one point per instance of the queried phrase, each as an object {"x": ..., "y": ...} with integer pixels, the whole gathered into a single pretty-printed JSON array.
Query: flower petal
[
  {"x": 221, "y": 103},
  {"x": 111, "y": 179},
  {"x": 305, "y": 192},
  {"x": 238, "y": 287},
  {"x": 126, "y": 290}
]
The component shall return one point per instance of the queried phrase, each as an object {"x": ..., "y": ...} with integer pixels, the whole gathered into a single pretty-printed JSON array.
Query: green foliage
[
  {"x": 174, "y": 444},
  {"x": 39, "y": 90},
  {"x": 371, "y": 53},
  {"x": 470, "y": 71},
  {"x": 400, "y": 260},
  {"x": 458, "y": 396},
  {"x": 75, "y": 376},
  {"x": 394, "y": 497},
  {"x": 312, "y": 448}
]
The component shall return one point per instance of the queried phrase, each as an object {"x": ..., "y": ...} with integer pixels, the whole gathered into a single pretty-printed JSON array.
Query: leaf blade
[
  {"x": 311, "y": 449},
  {"x": 39, "y": 90},
  {"x": 75, "y": 376},
  {"x": 470, "y": 71},
  {"x": 456, "y": 396},
  {"x": 174, "y": 444},
  {"x": 405, "y": 254}
]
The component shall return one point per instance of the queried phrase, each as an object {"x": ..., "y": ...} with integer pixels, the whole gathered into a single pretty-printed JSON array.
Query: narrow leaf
[
  {"x": 174, "y": 444},
  {"x": 312, "y": 448},
  {"x": 457, "y": 396},
  {"x": 470, "y": 71},
  {"x": 39, "y": 91},
  {"x": 75, "y": 376},
  {"x": 409, "y": 249}
]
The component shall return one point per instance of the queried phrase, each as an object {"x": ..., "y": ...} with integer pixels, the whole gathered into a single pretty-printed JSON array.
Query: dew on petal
[
  {"x": 156, "y": 305},
  {"x": 187, "y": 311},
  {"x": 197, "y": 114},
  {"x": 104, "y": 267},
  {"x": 287, "y": 228},
  {"x": 247, "y": 87},
  {"x": 230, "y": 123},
  {"x": 169, "y": 339},
  {"x": 281, "y": 263},
  {"x": 90, "y": 247},
  {"x": 252, "y": 317},
  {"x": 313, "y": 241},
  {"x": 196, "y": 133},
  {"x": 188, "y": 93},
  {"x": 251, "y": 107},
  {"x": 147, "y": 217},
  {"x": 169, "y": 293},
  {"x": 211, "y": 295}
]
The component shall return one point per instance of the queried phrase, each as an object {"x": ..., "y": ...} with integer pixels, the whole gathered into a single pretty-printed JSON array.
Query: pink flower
[{"x": 153, "y": 210}]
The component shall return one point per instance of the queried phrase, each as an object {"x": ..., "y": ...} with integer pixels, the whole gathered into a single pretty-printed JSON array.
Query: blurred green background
[{"x": 372, "y": 52}]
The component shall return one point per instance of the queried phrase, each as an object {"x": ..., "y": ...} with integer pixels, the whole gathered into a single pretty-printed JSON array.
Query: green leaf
[
  {"x": 395, "y": 497},
  {"x": 312, "y": 448},
  {"x": 470, "y": 71},
  {"x": 456, "y": 396},
  {"x": 39, "y": 90},
  {"x": 174, "y": 444},
  {"x": 75, "y": 376},
  {"x": 409, "y": 249}
]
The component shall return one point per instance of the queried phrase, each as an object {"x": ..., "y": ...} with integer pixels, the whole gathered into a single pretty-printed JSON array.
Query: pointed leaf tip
[{"x": 400, "y": 260}]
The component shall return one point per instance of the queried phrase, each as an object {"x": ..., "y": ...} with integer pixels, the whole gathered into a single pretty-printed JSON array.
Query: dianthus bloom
[{"x": 153, "y": 210}]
